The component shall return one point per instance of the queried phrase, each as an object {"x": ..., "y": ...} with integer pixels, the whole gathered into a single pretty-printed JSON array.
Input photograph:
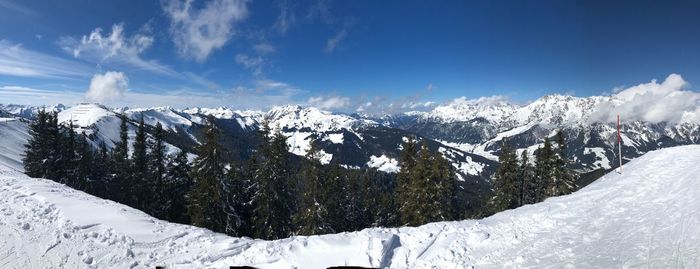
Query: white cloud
[
  {"x": 196, "y": 33},
  {"x": 114, "y": 44},
  {"x": 115, "y": 48},
  {"x": 321, "y": 10},
  {"x": 107, "y": 87},
  {"x": 332, "y": 43},
  {"x": 329, "y": 102},
  {"x": 668, "y": 101},
  {"x": 112, "y": 87},
  {"x": 366, "y": 107},
  {"x": 417, "y": 105},
  {"x": 487, "y": 100},
  {"x": 286, "y": 19},
  {"x": 254, "y": 64},
  {"x": 264, "y": 48},
  {"x": 15, "y": 7},
  {"x": 32, "y": 96},
  {"x": 18, "y": 61},
  {"x": 267, "y": 84}
]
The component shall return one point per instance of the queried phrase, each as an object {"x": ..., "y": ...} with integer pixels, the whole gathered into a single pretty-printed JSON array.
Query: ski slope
[{"x": 647, "y": 217}]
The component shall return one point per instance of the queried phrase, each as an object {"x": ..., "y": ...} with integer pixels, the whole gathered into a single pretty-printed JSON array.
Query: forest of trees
[
  {"x": 267, "y": 196},
  {"x": 519, "y": 182}
]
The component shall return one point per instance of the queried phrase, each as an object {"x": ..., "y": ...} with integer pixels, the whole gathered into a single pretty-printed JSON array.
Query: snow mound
[
  {"x": 646, "y": 217},
  {"x": 384, "y": 163}
]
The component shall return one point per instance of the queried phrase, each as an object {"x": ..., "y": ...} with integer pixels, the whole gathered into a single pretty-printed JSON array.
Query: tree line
[
  {"x": 266, "y": 196},
  {"x": 520, "y": 182}
]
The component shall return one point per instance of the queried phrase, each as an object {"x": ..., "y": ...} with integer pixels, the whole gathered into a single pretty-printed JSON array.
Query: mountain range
[{"x": 467, "y": 132}]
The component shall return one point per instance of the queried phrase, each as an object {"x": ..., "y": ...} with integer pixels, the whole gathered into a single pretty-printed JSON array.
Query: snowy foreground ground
[{"x": 648, "y": 217}]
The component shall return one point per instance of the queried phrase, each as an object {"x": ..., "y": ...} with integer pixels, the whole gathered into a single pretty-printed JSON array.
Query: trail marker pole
[{"x": 619, "y": 143}]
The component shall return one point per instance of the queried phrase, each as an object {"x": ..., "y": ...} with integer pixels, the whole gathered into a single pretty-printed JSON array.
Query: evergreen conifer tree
[
  {"x": 178, "y": 185},
  {"x": 414, "y": 210},
  {"x": 544, "y": 171},
  {"x": 55, "y": 164},
  {"x": 83, "y": 163},
  {"x": 272, "y": 201},
  {"x": 237, "y": 198},
  {"x": 441, "y": 190},
  {"x": 526, "y": 180},
  {"x": 353, "y": 192},
  {"x": 101, "y": 174},
  {"x": 564, "y": 178},
  {"x": 312, "y": 215},
  {"x": 119, "y": 186},
  {"x": 156, "y": 171},
  {"x": 206, "y": 205},
  {"x": 37, "y": 147},
  {"x": 505, "y": 193},
  {"x": 405, "y": 188},
  {"x": 68, "y": 162},
  {"x": 336, "y": 197},
  {"x": 139, "y": 170}
]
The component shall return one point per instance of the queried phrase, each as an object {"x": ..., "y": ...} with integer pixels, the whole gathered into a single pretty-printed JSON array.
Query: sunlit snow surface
[
  {"x": 647, "y": 217},
  {"x": 13, "y": 136}
]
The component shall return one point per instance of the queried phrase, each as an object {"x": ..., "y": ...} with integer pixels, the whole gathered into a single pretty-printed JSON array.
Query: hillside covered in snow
[{"x": 645, "y": 217}]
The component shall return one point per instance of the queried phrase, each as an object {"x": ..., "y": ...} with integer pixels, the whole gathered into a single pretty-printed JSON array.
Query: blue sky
[{"x": 372, "y": 56}]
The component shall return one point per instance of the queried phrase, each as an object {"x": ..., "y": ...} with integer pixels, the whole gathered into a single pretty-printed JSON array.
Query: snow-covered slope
[
  {"x": 646, "y": 217},
  {"x": 27, "y": 111},
  {"x": 13, "y": 133}
]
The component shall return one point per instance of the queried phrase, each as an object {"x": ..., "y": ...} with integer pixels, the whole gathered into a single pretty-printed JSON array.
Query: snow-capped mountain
[
  {"x": 478, "y": 126},
  {"x": 467, "y": 132},
  {"x": 27, "y": 111},
  {"x": 350, "y": 141},
  {"x": 641, "y": 218}
]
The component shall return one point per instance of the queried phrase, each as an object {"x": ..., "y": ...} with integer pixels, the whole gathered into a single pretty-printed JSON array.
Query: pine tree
[
  {"x": 441, "y": 190},
  {"x": 237, "y": 194},
  {"x": 139, "y": 170},
  {"x": 415, "y": 210},
  {"x": 526, "y": 180},
  {"x": 156, "y": 172},
  {"x": 336, "y": 200},
  {"x": 178, "y": 184},
  {"x": 381, "y": 198},
  {"x": 119, "y": 186},
  {"x": 68, "y": 162},
  {"x": 272, "y": 200},
  {"x": 100, "y": 174},
  {"x": 37, "y": 147},
  {"x": 83, "y": 163},
  {"x": 352, "y": 192},
  {"x": 405, "y": 197},
  {"x": 206, "y": 204},
  {"x": 312, "y": 215},
  {"x": 564, "y": 178},
  {"x": 544, "y": 171},
  {"x": 504, "y": 181},
  {"x": 54, "y": 161}
]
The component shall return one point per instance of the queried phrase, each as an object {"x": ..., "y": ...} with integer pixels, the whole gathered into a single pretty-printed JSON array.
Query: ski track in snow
[{"x": 647, "y": 217}]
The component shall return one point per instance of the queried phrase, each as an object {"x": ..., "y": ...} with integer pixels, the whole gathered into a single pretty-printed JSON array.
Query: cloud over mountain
[
  {"x": 668, "y": 101},
  {"x": 107, "y": 87}
]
